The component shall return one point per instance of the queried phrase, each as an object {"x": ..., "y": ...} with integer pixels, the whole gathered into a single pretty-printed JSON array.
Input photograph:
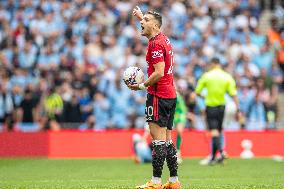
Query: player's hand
[
  {"x": 134, "y": 87},
  {"x": 138, "y": 13},
  {"x": 239, "y": 115}
]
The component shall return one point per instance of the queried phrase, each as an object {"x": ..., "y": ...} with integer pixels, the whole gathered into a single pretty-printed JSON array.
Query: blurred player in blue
[{"x": 142, "y": 149}]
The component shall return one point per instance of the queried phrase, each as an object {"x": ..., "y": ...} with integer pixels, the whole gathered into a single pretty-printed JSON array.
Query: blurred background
[{"x": 61, "y": 62}]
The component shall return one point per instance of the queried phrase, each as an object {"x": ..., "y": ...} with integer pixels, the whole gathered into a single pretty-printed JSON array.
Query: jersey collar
[
  {"x": 217, "y": 68},
  {"x": 152, "y": 38}
]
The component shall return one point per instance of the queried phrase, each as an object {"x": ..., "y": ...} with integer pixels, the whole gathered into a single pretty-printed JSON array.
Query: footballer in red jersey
[
  {"x": 160, "y": 50},
  {"x": 161, "y": 99}
]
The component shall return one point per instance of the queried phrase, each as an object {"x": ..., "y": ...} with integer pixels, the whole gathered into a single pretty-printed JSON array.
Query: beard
[{"x": 144, "y": 33}]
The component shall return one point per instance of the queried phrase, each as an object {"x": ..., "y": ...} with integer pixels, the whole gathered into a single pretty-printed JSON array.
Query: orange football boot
[
  {"x": 172, "y": 185},
  {"x": 150, "y": 185}
]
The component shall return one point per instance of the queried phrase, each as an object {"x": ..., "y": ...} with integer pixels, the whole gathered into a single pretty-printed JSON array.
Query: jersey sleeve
[
  {"x": 157, "y": 54},
  {"x": 200, "y": 84},
  {"x": 232, "y": 88}
]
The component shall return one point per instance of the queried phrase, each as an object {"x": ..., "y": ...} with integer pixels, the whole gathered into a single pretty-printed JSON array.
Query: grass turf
[{"x": 123, "y": 173}]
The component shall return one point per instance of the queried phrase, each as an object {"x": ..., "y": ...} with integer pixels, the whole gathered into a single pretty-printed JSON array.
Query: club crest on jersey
[
  {"x": 157, "y": 54},
  {"x": 168, "y": 41}
]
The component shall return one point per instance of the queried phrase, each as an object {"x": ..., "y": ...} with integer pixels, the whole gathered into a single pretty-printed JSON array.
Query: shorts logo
[
  {"x": 157, "y": 54},
  {"x": 149, "y": 119}
]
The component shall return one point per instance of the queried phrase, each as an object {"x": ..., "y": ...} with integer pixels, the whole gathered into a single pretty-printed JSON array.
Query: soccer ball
[{"x": 133, "y": 75}]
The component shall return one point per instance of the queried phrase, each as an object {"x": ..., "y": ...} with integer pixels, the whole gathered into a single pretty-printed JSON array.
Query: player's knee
[{"x": 157, "y": 132}]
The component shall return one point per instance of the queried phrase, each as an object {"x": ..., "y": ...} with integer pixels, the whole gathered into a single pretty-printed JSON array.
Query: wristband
[{"x": 142, "y": 86}]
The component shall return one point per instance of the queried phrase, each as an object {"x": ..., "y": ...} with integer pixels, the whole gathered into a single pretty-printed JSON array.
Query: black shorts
[
  {"x": 160, "y": 110},
  {"x": 214, "y": 117}
]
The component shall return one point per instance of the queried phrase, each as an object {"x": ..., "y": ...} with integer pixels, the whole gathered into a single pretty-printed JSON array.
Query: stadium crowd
[{"x": 61, "y": 62}]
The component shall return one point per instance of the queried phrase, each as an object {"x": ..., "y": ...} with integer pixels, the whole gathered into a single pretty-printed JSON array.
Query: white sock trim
[
  {"x": 169, "y": 142},
  {"x": 173, "y": 179},
  {"x": 159, "y": 142},
  {"x": 156, "y": 180}
]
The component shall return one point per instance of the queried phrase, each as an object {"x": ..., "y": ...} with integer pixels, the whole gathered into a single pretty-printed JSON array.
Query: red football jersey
[{"x": 160, "y": 50}]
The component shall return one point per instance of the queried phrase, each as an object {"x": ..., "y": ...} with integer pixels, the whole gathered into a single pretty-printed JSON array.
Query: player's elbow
[{"x": 160, "y": 75}]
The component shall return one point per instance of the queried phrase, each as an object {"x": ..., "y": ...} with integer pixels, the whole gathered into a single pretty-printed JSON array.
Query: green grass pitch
[{"x": 123, "y": 173}]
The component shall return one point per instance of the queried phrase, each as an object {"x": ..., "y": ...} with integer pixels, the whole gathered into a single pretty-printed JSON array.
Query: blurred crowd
[{"x": 61, "y": 62}]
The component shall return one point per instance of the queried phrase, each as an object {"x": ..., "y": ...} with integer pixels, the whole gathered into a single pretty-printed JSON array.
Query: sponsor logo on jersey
[{"x": 157, "y": 54}]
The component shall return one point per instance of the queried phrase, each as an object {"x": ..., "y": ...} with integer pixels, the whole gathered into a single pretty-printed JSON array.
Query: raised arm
[{"x": 137, "y": 13}]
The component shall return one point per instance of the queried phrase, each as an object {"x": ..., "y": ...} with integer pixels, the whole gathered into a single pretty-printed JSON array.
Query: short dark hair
[
  {"x": 215, "y": 60},
  {"x": 157, "y": 17}
]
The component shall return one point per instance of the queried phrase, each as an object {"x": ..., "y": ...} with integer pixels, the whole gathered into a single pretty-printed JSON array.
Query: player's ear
[{"x": 156, "y": 26}]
